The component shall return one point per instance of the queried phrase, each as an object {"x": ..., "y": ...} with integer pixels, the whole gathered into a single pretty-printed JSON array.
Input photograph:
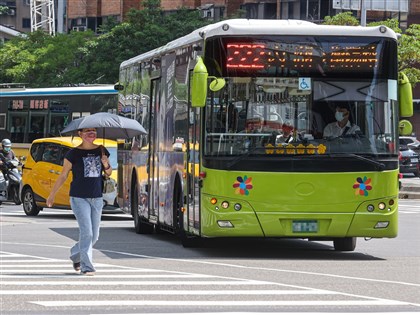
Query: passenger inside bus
[
  {"x": 343, "y": 125},
  {"x": 17, "y": 130}
]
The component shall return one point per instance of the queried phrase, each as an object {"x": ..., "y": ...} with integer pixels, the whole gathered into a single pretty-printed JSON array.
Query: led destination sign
[
  {"x": 307, "y": 56},
  {"x": 265, "y": 56}
]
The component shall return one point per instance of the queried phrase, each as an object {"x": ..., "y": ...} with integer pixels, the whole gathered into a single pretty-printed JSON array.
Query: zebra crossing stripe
[
  {"x": 170, "y": 292},
  {"x": 217, "y": 303}
]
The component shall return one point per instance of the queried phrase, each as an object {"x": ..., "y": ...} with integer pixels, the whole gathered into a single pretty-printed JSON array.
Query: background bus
[
  {"x": 29, "y": 114},
  {"x": 262, "y": 166}
]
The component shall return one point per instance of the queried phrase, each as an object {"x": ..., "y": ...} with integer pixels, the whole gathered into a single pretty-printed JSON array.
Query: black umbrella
[{"x": 109, "y": 126}]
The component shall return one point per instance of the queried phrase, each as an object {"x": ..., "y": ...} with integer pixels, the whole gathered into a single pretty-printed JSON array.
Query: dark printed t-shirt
[{"x": 87, "y": 172}]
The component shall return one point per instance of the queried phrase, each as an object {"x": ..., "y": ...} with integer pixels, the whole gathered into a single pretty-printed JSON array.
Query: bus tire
[
  {"x": 187, "y": 241},
  {"x": 139, "y": 226},
  {"x": 345, "y": 244},
  {"x": 29, "y": 205}
]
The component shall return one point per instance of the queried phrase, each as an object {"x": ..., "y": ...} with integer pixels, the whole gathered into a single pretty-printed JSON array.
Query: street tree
[
  {"x": 143, "y": 30},
  {"x": 41, "y": 60}
]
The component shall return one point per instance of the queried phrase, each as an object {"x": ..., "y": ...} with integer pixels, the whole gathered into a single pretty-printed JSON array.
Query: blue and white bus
[{"x": 28, "y": 114}]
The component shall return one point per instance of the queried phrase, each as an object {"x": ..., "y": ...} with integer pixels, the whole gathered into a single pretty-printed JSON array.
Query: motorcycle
[{"x": 10, "y": 181}]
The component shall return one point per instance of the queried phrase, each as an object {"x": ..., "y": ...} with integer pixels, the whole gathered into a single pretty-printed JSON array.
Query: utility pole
[
  {"x": 363, "y": 13},
  {"x": 43, "y": 16}
]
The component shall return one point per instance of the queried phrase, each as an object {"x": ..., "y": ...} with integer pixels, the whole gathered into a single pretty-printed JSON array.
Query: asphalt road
[{"x": 140, "y": 274}]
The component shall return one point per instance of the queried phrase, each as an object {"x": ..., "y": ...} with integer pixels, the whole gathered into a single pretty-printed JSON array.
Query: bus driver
[{"x": 343, "y": 126}]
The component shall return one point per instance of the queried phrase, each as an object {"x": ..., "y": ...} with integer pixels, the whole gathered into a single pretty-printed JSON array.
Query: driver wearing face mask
[{"x": 342, "y": 126}]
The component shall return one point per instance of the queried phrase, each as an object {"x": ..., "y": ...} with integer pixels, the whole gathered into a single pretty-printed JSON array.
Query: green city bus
[{"x": 237, "y": 144}]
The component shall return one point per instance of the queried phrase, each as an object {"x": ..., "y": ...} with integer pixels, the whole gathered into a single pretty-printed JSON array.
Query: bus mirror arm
[{"x": 217, "y": 84}]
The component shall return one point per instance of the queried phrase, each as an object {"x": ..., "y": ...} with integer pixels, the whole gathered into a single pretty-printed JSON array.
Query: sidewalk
[{"x": 410, "y": 187}]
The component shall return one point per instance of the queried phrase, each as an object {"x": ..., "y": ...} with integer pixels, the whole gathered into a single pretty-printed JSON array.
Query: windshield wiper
[
  {"x": 380, "y": 166},
  {"x": 241, "y": 157}
]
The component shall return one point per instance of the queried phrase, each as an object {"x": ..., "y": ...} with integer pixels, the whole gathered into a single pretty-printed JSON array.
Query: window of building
[{"x": 26, "y": 23}]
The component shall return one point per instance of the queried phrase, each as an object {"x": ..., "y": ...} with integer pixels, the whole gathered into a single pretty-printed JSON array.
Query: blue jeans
[{"x": 88, "y": 213}]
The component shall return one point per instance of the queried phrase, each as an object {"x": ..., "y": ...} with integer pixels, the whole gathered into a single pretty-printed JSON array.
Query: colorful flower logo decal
[
  {"x": 362, "y": 186},
  {"x": 243, "y": 185}
]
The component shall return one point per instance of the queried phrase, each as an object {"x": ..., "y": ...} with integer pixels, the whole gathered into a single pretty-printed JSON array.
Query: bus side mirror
[
  {"x": 118, "y": 87},
  {"x": 199, "y": 84},
  {"x": 405, "y": 96}
]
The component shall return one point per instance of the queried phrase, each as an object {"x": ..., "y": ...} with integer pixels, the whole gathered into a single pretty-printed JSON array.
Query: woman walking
[{"x": 87, "y": 161}]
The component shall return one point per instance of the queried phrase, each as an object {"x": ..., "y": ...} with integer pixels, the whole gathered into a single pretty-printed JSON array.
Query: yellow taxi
[{"x": 43, "y": 166}]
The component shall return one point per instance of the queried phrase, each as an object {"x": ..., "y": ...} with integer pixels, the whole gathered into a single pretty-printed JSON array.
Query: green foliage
[
  {"x": 3, "y": 9},
  {"x": 409, "y": 53},
  {"x": 391, "y": 23},
  {"x": 345, "y": 18},
  {"x": 408, "y": 48},
  {"x": 42, "y": 60},
  {"x": 81, "y": 57},
  {"x": 144, "y": 30}
]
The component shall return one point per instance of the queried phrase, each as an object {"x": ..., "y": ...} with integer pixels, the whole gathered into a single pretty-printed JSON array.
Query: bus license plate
[
  {"x": 305, "y": 226},
  {"x": 414, "y": 160}
]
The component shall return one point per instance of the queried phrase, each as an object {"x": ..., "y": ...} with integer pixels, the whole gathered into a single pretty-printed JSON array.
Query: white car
[{"x": 411, "y": 142}]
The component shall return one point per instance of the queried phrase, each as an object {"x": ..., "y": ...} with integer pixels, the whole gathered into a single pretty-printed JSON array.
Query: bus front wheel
[
  {"x": 139, "y": 226},
  {"x": 345, "y": 244}
]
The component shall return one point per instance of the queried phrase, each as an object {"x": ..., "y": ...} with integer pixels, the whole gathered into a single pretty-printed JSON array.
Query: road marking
[
  {"x": 90, "y": 285},
  {"x": 90, "y": 303},
  {"x": 229, "y": 265},
  {"x": 92, "y": 282},
  {"x": 131, "y": 276},
  {"x": 170, "y": 292}
]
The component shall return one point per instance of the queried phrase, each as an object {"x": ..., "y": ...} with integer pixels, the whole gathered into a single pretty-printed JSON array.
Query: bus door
[
  {"x": 153, "y": 160},
  {"x": 193, "y": 168}
]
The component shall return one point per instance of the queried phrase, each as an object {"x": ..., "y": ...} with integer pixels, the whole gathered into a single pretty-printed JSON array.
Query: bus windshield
[
  {"x": 295, "y": 96},
  {"x": 272, "y": 116}
]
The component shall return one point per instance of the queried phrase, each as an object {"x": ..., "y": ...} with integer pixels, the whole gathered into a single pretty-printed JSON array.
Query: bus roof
[
  {"x": 79, "y": 90},
  {"x": 239, "y": 27}
]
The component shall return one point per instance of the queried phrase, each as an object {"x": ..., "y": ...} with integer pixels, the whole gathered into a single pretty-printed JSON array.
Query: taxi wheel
[{"x": 29, "y": 205}]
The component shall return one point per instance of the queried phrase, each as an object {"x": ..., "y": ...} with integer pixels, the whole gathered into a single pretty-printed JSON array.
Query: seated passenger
[{"x": 343, "y": 126}]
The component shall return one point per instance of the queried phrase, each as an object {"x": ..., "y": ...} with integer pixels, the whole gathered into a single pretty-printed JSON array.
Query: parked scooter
[{"x": 10, "y": 181}]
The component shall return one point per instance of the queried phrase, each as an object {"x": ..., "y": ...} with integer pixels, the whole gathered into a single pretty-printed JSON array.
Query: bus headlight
[
  {"x": 225, "y": 204},
  {"x": 381, "y": 205},
  {"x": 370, "y": 208}
]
